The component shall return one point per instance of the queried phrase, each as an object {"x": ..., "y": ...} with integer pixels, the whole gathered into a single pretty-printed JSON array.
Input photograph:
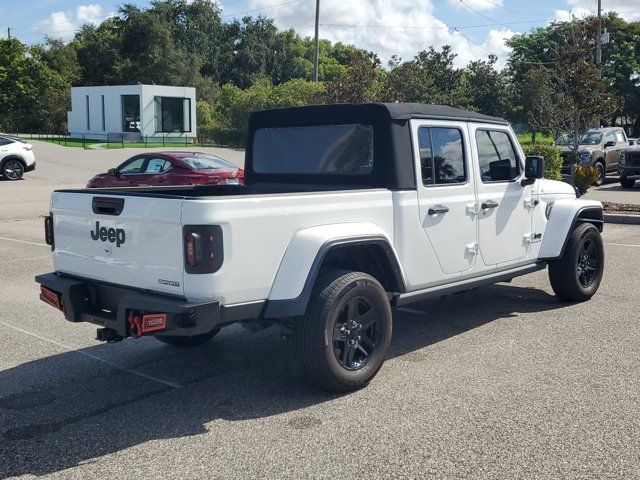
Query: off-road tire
[
  {"x": 314, "y": 333},
  {"x": 192, "y": 341},
  {"x": 564, "y": 273},
  {"x": 627, "y": 182}
]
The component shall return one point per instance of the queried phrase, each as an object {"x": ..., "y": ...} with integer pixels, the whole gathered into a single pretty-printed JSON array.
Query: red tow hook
[{"x": 135, "y": 325}]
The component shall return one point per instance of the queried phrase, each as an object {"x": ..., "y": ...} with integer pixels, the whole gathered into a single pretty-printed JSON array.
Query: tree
[
  {"x": 487, "y": 87},
  {"x": 584, "y": 94},
  {"x": 32, "y": 95},
  {"x": 357, "y": 84}
]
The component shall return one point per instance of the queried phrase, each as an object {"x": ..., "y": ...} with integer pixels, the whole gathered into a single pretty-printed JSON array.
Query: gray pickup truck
[
  {"x": 598, "y": 148},
  {"x": 629, "y": 166}
]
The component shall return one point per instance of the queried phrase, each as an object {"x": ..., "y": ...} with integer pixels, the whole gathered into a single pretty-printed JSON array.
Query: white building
[{"x": 135, "y": 112}]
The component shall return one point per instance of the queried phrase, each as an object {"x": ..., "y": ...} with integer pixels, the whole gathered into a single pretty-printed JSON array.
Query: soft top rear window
[{"x": 315, "y": 150}]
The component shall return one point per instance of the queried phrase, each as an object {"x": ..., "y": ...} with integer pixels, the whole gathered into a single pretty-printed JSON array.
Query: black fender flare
[{"x": 296, "y": 307}]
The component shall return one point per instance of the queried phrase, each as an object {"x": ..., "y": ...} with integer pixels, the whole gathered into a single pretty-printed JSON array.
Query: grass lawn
[
  {"x": 525, "y": 138},
  {"x": 78, "y": 143}
]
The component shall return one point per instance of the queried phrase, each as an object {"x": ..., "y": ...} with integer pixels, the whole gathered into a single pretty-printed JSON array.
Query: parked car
[
  {"x": 598, "y": 148},
  {"x": 170, "y": 168},
  {"x": 348, "y": 211},
  {"x": 629, "y": 166},
  {"x": 16, "y": 157}
]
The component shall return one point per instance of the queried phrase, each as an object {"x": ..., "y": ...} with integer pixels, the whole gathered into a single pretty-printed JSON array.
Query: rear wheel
[
  {"x": 192, "y": 341},
  {"x": 627, "y": 182},
  {"x": 342, "y": 339},
  {"x": 13, "y": 169},
  {"x": 576, "y": 275}
]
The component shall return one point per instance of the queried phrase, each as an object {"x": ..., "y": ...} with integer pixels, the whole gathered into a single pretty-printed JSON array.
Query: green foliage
[
  {"x": 31, "y": 93},
  {"x": 233, "y": 105},
  {"x": 552, "y": 159},
  {"x": 585, "y": 177},
  {"x": 356, "y": 85}
]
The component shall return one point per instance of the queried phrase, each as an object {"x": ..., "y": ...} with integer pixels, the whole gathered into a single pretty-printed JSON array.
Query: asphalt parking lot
[{"x": 502, "y": 382}]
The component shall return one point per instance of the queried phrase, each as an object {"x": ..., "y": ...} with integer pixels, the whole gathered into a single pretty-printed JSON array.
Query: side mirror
[
  {"x": 113, "y": 172},
  {"x": 533, "y": 170},
  {"x": 632, "y": 142},
  {"x": 610, "y": 143}
]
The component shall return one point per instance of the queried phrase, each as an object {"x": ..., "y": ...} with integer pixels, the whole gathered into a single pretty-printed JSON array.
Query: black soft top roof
[
  {"x": 393, "y": 150},
  {"x": 372, "y": 111}
]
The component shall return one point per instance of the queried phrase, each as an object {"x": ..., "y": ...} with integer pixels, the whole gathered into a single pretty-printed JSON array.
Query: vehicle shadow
[{"x": 84, "y": 409}]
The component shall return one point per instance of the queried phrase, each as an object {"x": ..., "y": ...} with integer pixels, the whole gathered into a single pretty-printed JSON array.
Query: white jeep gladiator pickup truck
[{"x": 347, "y": 211}]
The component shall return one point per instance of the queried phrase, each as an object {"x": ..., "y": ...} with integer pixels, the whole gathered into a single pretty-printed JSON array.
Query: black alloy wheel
[{"x": 355, "y": 334}]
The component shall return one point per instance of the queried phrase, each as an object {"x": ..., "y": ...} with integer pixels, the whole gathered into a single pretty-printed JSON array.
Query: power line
[
  {"x": 422, "y": 27},
  {"x": 260, "y": 9},
  {"x": 482, "y": 14}
]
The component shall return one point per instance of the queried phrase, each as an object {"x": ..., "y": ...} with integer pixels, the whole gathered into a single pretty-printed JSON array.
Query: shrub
[
  {"x": 552, "y": 159},
  {"x": 585, "y": 177}
]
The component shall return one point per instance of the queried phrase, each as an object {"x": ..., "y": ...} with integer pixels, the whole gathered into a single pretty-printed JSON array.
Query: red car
[{"x": 170, "y": 168}]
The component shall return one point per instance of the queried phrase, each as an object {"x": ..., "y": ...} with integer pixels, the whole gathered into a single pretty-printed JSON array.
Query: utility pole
[
  {"x": 8, "y": 33},
  {"x": 599, "y": 37},
  {"x": 316, "y": 44}
]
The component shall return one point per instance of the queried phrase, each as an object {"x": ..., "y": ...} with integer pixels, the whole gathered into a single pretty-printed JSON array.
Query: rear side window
[
  {"x": 158, "y": 165},
  {"x": 317, "y": 150},
  {"x": 497, "y": 157},
  {"x": 441, "y": 156},
  {"x": 619, "y": 136}
]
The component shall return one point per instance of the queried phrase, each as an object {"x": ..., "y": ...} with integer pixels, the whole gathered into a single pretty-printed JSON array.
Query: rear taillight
[
  {"x": 193, "y": 248},
  {"x": 203, "y": 248},
  {"x": 48, "y": 231}
]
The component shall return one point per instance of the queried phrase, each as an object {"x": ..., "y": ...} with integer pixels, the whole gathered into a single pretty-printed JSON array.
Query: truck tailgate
[{"x": 119, "y": 239}]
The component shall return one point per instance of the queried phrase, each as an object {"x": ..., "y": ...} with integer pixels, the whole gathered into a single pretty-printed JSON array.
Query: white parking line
[
  {"x": 24, "y": 241},
  {"x": 80, "y": 352},
  {"x": 623, "y": 245}
]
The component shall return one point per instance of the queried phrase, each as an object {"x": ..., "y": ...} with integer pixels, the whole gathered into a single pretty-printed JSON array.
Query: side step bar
[{"x": 464, "y": 285}]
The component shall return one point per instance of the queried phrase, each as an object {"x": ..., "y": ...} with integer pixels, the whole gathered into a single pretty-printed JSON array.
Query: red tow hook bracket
[{"x": 135, "y": 325}]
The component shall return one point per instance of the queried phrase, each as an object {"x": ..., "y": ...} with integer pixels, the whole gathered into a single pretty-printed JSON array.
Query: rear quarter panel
[{"x": 257, "y": 231}]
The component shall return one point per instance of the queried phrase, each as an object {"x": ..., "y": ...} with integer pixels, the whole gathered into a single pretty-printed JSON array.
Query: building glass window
[
  {"x": 86, "y": 101},
  {"x": 172, "y": 114},
  {"x": 130, "y": 113}
]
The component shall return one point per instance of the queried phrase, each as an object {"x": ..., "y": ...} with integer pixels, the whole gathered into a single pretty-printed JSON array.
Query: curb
[{"x": 622, "y": 219}]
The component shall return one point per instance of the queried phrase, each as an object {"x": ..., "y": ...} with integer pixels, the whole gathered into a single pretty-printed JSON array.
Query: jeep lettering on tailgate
[{"x": 113, "y": 235}]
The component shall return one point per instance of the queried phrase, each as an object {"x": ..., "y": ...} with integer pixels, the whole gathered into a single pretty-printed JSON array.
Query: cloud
[
  {"x": 398, "y": 27},
  {"x": 629, "y": 10},
  {"x": 476, "y": 4},
  {"x": 63, "y": 24}
]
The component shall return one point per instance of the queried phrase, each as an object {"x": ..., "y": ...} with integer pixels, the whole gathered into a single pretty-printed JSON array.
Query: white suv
[{"x": 16, "y": 157}]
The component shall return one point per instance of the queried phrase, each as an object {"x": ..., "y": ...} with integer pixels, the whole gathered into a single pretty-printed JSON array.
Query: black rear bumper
[{"x": 111, "y": 306}]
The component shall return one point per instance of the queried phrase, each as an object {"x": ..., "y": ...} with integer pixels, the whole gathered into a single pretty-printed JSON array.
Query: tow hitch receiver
[{"x": 139, "y": 324}]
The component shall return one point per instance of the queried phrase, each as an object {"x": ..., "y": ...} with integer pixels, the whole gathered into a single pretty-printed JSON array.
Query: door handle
[
  {"x": 489, "y": 204},
  {"x": 438, "y": 209}
]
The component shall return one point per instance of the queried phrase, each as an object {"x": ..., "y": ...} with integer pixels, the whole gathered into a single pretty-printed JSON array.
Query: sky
[{"x": 474, "y": 28}]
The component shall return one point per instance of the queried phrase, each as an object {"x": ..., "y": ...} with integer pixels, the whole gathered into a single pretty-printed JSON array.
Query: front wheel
[
  {"x": 627, "y": 182},
  {"x": 191, "y": 341},
  {"x": 13, "y": 170},
  {"x": 342, "y": 339},
  {"x": 602, "y": 174},
  {"x": 576, "y": 276}
]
